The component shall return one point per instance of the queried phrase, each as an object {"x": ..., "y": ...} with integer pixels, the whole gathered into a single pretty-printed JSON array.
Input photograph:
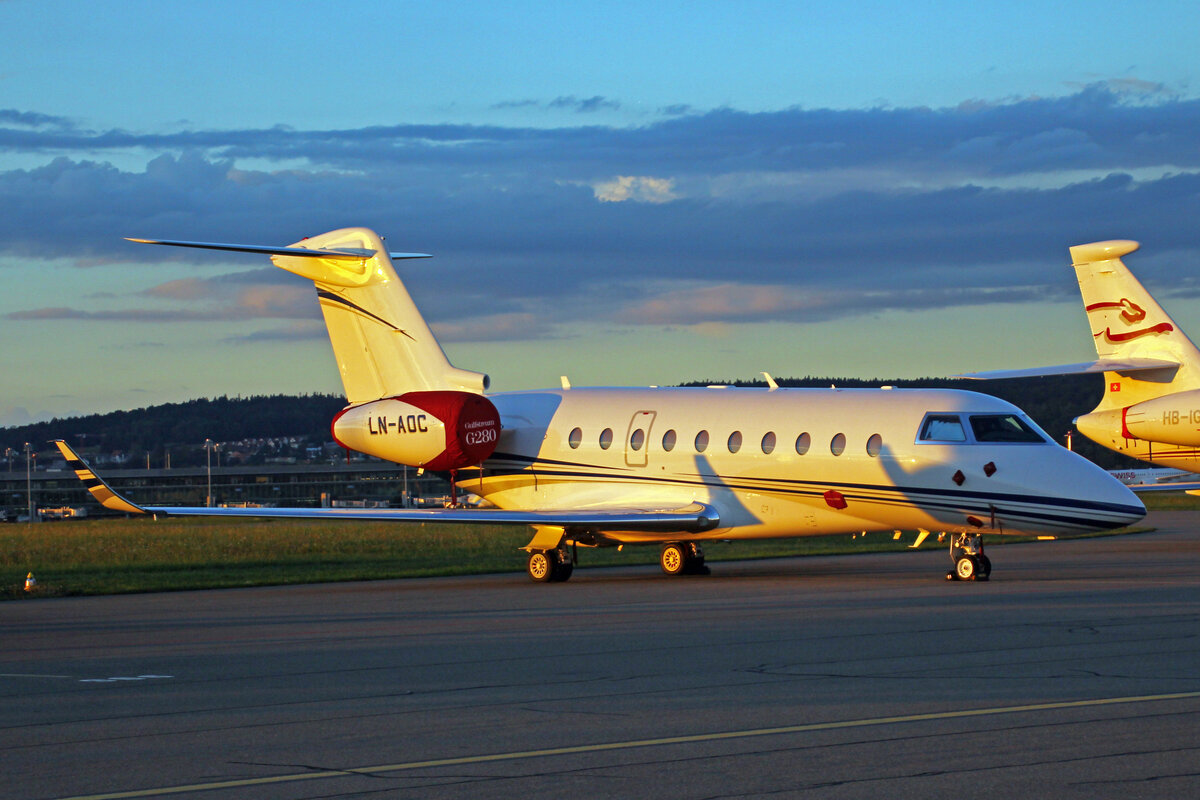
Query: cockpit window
[
  {"x": 1003, "y": 428},
  {"x": 943, "y": 428}
]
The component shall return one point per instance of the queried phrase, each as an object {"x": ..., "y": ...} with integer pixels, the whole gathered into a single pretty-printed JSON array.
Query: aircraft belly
[{"x": 790, "y": 512}]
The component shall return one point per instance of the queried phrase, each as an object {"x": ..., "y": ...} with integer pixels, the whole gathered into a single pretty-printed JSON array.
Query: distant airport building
[{"x": 359, "y": 483}]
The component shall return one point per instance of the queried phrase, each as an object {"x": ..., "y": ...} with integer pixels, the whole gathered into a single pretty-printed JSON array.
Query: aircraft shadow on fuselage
[{"x": 722, "y": 496}]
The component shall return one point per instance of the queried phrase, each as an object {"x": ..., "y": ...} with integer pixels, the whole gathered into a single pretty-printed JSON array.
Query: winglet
[{"x": 100, "y": 490}]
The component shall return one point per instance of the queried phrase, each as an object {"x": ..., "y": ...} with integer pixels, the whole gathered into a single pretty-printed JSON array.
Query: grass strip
[{"x": 140, "y": 554}]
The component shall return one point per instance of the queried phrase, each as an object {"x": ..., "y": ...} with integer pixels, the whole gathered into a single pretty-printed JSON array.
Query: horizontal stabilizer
[
  {"x": 338, "y": 253},
  {"x": 693, "y": 518},
  {"x": 1083, "y": 368}
]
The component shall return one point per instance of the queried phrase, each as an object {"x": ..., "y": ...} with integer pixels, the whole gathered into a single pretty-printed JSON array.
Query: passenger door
[{"x": 637, "y": 438}]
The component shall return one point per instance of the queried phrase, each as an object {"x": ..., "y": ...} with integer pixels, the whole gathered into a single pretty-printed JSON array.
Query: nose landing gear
[{"x": 970, "y": 563}]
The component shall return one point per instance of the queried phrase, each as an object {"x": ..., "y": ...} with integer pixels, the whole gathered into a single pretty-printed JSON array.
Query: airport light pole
[
  {"x": 208, "y": 447},
  {"x": 29, "y": 480},
  {"x": 8, "y": 456}
]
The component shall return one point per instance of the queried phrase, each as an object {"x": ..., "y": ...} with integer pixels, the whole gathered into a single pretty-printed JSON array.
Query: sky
[{"x": 625, "y": 193}]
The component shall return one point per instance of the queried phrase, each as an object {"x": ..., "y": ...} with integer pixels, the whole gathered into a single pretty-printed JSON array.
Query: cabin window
[
  {"x": 838, "y": 445},
  {"x": 768, "y": 442},
  {"x": 874, "y": 445},
  {"x": 942, "y": 428},
  {"x": 1003, "y": 428},
  {"x": 576, "y": 438},
  {"x": 669, "y": 441},
  {"x": 803, "y": 442},
  {"x": 637, "y": 439},
  {"x": 735, "y": 441},
  {"x": 606, "y": 438},
  {"x": 701, "y": 441}
]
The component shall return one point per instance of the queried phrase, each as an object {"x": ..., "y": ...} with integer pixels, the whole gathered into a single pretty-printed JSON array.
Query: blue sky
[{"x": 625, "y": 193}]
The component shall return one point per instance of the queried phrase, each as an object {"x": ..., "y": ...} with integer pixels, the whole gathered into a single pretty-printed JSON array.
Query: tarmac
[{"x": 1073, "y": 672}]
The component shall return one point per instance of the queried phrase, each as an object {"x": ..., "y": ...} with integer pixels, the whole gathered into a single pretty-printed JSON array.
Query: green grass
[
  {"x": 112, "y": 556},
  {"x": 1170, "y": 501}
]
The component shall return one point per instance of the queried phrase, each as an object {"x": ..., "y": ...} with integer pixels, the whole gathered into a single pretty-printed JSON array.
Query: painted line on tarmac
[
  {"x": 32, "y": 675},
  {"x": 121, "y": 678},
  {"x": 632, "y": 744}
]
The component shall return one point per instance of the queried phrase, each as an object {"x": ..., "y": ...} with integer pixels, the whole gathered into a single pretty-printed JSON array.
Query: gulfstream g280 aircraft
[{"x": 670, "y": 466}]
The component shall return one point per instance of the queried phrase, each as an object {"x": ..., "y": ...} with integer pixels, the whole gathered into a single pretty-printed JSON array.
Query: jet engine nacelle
[
  {"x": 439, "y": 430},
  {"x": 1172, "y": 419}
]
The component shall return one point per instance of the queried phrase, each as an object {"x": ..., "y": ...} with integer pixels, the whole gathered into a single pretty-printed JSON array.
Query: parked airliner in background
[
  {"x": 1151, "y": 404},
  {"x": 676, "y": 467}
]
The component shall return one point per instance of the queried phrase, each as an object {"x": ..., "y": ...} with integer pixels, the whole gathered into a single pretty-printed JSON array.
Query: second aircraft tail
[{"x": 1130, "y": 328}]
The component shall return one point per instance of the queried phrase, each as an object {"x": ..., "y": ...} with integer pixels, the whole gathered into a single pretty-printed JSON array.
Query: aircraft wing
[
  {"x": 1178, "y": 486},
  {"x": 1102, "y": 365},
  {"x": 692, "y": 518}
]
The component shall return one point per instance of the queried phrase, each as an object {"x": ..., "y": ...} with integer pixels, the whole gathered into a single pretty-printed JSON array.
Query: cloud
[
  {"x": 195, "y": 299},
  {"x": 1125, "y": 132},
  {"x": 733, "y": 303},
  {"x": 495, "y": 328},
  {"x": 126, "y": 315},
  {"x": 32, "y": 119},
  {"x": 864, "y": 209},
  {"x": 295, "y": 332},
  {"x": 641, "y": 189},
  {"x": 584, "y": 105}
]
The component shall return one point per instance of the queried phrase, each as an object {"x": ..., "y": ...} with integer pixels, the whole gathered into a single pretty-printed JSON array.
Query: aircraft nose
[{"x": 1118, "y": 506}]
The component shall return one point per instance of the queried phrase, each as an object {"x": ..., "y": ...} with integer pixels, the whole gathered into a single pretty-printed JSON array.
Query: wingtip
[{"x": 101, "y": 492}]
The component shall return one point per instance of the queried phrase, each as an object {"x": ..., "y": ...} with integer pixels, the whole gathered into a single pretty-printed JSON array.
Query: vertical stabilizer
[
  {"x": 381, "y": 342},
  {"x": 1128, "y": 324}
]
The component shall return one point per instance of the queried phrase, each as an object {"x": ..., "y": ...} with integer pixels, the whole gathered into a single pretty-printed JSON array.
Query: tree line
[{"x": 1052, "y": 402}]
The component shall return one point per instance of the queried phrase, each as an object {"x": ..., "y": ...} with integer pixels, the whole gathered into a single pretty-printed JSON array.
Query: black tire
[
  {"x": 694, "y": 560},
  {"x": 562, "y": 572},
  {"x": 966, "y": 568},
  {"x": 985, "y": 568},
  {"x": 541, "y": 566},
  {"x": 673, "y": 559}
]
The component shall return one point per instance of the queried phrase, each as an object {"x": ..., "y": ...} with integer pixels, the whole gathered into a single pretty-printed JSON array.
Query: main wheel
[
  {"x": 985, "y": 568},
  {"x": 672, "y": 559},
  {"x": 966, "y": 568},
  {"x": 562, "y": 571},
  {"x": 540, "y": 566}
]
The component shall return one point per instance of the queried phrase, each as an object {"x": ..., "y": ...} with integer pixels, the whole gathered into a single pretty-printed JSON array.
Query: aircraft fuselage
[{"x": 791, "y": 462}]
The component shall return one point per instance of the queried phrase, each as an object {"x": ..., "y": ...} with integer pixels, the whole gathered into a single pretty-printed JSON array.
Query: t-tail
[
  {"x": 407, "y": 402},
  {"x": 1151, "y": 404},
  {"x": 1129, "y": 327},
  {"x": 382, "y": 344}
]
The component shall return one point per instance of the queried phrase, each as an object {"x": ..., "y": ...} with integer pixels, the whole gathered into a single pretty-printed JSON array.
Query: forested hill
[
  {"x": 1053, "y": 402},
  {"x": 222, "y": 419}
]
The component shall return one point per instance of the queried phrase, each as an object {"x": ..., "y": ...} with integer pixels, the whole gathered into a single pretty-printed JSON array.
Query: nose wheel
[{"x": 970, "y": 563}]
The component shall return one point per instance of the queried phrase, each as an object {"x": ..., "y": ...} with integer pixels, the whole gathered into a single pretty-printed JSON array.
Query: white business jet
[
  {"x": 675, "y": 467},
  {"x": 1151, "y": 404}
]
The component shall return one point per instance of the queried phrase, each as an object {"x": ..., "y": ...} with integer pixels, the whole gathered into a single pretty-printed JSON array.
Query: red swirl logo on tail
[{"x": 1131, "y": 313}]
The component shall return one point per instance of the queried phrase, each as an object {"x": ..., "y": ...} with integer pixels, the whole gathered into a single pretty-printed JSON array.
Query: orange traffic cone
[{"x": 30, "y": 582}]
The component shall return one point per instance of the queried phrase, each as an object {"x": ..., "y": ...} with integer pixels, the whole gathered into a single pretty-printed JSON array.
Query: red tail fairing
[{"x": 437, "y": 430}]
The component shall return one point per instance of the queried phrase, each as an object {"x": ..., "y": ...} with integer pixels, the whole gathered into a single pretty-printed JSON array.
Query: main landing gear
[
  {"x": 682, "y": 558},
  {"x": 970, "y": 563},
  {"x": 550, "y": 566}
]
